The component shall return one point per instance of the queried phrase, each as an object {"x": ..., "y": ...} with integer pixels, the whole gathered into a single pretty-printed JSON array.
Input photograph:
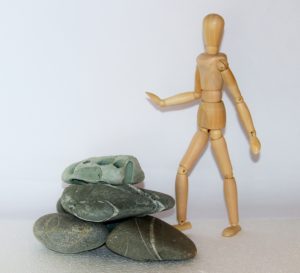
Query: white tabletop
[{"x": 263, "y": 246}]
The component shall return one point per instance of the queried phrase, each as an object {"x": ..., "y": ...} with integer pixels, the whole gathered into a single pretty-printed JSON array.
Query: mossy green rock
[
  {"x": 106, "y": 202},
  {"x": 116, "y": 170},
  {"x": 67, "y": 234},
  {"x": 150, "y": 239}
]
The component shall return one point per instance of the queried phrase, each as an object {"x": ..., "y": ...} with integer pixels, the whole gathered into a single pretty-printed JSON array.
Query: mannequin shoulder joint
[{"x": 222, "y": 64}]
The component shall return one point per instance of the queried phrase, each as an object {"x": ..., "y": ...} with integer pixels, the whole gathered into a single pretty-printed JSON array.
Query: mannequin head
[{"x": 213, "y": 27}]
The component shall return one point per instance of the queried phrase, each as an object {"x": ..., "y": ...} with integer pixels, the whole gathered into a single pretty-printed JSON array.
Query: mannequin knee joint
[
  {"x": 228, "y": 176},
  {"x": 182, "y": 170}
]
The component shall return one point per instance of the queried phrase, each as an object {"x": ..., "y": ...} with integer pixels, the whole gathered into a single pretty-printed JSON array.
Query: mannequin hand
[
  {"x": 254, "y": 144},
  {"x": 156, "y": 99}
]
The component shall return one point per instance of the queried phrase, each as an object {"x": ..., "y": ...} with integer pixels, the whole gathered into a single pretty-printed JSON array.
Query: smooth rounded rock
[
  {"x": 59, "y": 207},
  {"x": 116, "y": 170},
  {"x": 105, "y": 202},
  {"x": 66, "y": 234},
  {"x": 150, "y": 239}
]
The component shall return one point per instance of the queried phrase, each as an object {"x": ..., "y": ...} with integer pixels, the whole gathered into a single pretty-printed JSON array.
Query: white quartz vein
[
  {"x": 115, "y": 210},
  {"x": 142, "y": 237},
  {"x": 152, "y": 239}
]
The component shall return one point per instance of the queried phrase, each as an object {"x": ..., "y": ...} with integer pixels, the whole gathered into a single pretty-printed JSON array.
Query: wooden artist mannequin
[{"x": 211, "y": 72}]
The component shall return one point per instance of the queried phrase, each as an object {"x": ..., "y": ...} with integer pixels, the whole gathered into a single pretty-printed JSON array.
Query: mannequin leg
[
  {"x": 222, "y": 157},
  {"x": 188, "y": 161}
]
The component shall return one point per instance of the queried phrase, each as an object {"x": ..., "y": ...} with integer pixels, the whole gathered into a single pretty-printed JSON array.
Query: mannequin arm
[
  {"x": 174, "y": 100},
  {"x": 241, "y": 106},
  {"x": 179, "y": 98}
]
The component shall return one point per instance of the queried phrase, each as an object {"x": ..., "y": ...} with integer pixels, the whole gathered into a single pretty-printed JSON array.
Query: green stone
[
  {"x": 67, "y": 234},
  {"x": 106, "y": 202},
  {"x": 116, "y": 170},
  {"x": 150, "y": 239},
  {"x": 59, "y": 207}
]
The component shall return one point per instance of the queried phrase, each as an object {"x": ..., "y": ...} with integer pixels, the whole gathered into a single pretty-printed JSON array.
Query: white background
[{"x": 72, "y": 81}]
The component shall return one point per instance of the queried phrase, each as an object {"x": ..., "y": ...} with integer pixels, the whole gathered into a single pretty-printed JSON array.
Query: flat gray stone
[
  {"x": 150, "y": 239},
  {"x": 106, "y": 202},
  {"x": 67, "y": 234},
  {"x": 116, "y": 170}
]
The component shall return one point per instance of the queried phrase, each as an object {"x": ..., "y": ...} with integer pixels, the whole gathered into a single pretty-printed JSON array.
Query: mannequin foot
[
  {"x": 231, "y": 231},
  {"x": 183, "y": 226}
]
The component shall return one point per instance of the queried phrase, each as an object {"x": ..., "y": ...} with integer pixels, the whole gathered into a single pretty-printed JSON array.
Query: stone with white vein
[
  {"x": 106, "y": 202},
  {"x": 150, "y": 239}
]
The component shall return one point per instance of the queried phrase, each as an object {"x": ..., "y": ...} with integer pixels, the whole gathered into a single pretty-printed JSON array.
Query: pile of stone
[{"x": 102, "y": 207}]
